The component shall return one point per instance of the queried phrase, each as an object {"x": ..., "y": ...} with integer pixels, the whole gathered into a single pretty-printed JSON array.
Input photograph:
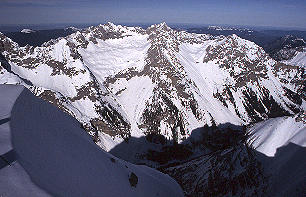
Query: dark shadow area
[
  {"x": 286, "y": 170},
  {"x": 158, "y": 149},
  {"x": 4, "y": 62},
  {"x": 7, "y": 158},
  {"x": 63, "y": 160},
  {"x": 5, "y": 120},
  {"x": 220, "y": 161}
]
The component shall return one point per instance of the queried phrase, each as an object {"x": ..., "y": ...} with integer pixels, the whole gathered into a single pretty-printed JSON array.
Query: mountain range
[{"x": 127, "y": 83}]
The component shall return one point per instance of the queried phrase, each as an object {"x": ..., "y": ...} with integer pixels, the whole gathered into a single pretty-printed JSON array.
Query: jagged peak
[
  {"x": 234, "y": 36},
  {"x": 162, "y": 25},
  {"x": 109, "y": 26},
  {"x": 2, "y": 36},
  {"x": 159, "y": 27}
]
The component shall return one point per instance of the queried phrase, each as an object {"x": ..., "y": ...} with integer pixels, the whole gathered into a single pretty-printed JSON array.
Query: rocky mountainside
[
  {"x": 268, "y": 161},
  {"x": 290, "y": 50},
  {"x": 122, "y": 81},
  {"x": 226, "y": 171}
]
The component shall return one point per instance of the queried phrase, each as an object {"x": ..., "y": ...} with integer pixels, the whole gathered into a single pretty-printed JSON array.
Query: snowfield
[
  {"x": 274, "y": 133},
  {"x": 27, "y": 31},
  {"x": 111, "y": 56}
]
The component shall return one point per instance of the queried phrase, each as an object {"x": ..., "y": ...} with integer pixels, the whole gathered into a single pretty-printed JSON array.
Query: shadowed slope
[{"x": 62, "y": 159}]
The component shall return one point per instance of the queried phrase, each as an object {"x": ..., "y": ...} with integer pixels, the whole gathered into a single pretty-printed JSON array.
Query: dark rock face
[
  {"x": 229, "y": 168},
  {"x": 229, "y": 172}
]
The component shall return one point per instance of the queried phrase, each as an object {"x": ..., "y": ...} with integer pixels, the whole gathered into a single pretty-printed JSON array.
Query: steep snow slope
[
  {"x": 122, "y": 81},
  {"x": 51, "y": 146},
  {"x": 274, "y": 133}
]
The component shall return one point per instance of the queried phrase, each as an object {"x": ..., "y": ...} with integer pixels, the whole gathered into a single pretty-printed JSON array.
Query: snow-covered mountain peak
[
  {"x": 159, "y": 27},
  {"x": 72, "y": 28},
  {"x": 110, "y": 26},
  {"x": 162, "y": 24},
  {"x": 27, "y": 31}
]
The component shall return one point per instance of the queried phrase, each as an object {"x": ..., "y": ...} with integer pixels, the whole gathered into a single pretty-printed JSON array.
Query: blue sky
[{"x": 277, "y": 13}]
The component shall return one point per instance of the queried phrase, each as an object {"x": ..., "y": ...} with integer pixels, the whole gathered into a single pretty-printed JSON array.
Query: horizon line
[{"x": 292, "y": 28}]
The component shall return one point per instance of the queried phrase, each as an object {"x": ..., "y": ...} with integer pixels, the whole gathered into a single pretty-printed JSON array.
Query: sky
[{"x": 273, "y": 13}]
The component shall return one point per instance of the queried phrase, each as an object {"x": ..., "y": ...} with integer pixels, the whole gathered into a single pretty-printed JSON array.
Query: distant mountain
[
  {"x": 27, "y": 31},
  {"x": 298, "y": 58},
  {"x": 38, "y": 37},
  {"x": 260, "y": 38},
  {"x": 289, "y": 49},
  {"x": 285, "y": 46},
  {"x": 268, "y": 39}
]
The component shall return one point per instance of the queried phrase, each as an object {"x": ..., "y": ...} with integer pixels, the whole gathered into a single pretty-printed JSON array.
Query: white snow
[
  {"x": 133, "y": 96},
  {"x": 8, "y": 95},
  {"x": 298, "y": 60},
  {"x": 27, "y": 31},
  {"x": 274, "y": 133},
  {"x": 113, "y": 55},
  {"x": 209, "y": 78},
  {"x": 14, "y": 181}
]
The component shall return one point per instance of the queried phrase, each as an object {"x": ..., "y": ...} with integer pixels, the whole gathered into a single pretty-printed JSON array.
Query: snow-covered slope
[
  {"x": 298, "y": 60},
  {"x": 122, "y": 81},
  {"x": 274, "y": 133},
  {"x": 283, "y": 140},
  {"x": 63, "y": 160}
]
